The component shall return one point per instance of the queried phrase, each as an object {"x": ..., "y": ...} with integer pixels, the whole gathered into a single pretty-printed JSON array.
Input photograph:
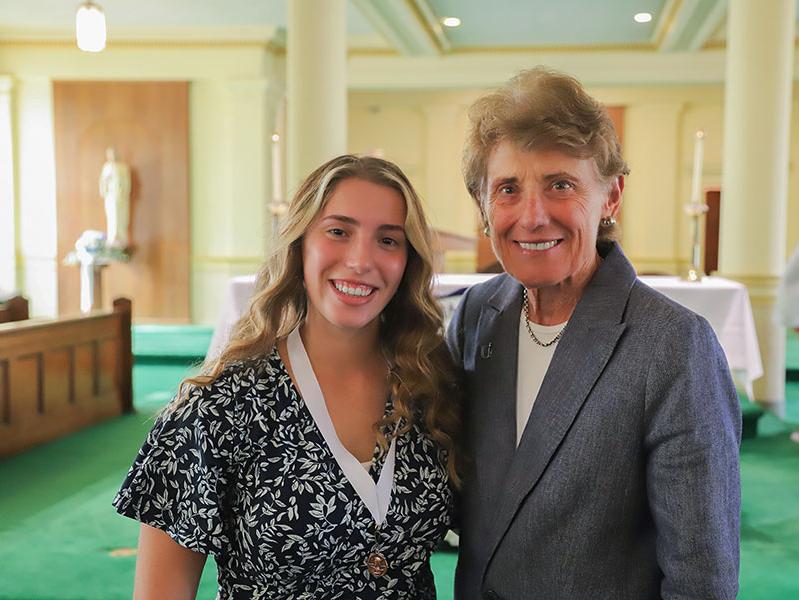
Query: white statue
[{"x": 115, "y": 190}]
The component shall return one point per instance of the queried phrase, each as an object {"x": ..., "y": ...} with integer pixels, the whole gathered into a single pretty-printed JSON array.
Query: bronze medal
[{"x": 377, "y": 564}]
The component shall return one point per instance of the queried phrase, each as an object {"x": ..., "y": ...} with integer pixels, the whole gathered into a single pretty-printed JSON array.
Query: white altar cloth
[{"x": 724, "y": 303}]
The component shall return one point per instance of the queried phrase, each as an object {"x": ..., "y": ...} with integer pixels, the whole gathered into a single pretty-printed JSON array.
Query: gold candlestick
[
  {"x": 278, "y": 207},
  {"x": 695, "y": 209}
]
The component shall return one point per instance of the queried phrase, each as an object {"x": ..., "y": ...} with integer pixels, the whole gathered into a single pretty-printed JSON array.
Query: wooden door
[
  {"x": 712, "y": 223},
  {"x": 147, "y": 125}
]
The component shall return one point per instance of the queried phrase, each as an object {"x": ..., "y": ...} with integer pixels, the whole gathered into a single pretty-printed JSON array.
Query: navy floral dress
[{"x": 241, "y": 471}]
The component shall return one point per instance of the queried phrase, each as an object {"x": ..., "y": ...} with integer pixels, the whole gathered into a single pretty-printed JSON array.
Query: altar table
[{"x": 724, "y": 303}]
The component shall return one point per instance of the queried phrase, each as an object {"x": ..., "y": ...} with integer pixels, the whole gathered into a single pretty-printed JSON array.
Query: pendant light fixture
[{"x": 90, "y": 27}]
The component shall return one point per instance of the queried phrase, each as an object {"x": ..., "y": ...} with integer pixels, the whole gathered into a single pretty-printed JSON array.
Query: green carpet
[
  {"x": 57, "y": 527},
  {"x": 770, "y": 515},
  {"x": 186, "y": 343},
  {"x": 792, "y": 402},
  {"x": 792, "y": 355},
  {"x": 58, "y": 531}
]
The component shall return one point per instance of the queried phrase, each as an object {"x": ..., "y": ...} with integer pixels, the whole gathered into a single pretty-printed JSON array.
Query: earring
[
  {"x": 486, "y": 231},
  {"x": 608, "y": 221}
]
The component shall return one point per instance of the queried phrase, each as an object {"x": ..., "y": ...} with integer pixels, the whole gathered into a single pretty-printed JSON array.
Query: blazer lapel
[
  {"x": 582, "y": 353},
  {"x": 495, "y": 374}
]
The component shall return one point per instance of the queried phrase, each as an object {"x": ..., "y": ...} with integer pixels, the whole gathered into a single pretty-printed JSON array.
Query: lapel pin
[{"x": 486, "y": 351}]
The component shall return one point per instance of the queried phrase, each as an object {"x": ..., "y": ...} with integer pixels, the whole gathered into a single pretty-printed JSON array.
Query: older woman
[{"x": 601, "y": 418}]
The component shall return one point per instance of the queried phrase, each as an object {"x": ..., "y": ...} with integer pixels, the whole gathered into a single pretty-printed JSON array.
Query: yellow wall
[
  {"x": 235, "y": 91},
  {"x": 423, "y": 132}
]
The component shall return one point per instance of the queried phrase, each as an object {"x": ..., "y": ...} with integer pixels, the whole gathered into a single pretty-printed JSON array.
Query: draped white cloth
[{"x": 723, "y": 302}]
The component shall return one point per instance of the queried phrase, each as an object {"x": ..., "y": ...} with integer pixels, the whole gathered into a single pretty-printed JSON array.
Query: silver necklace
[{"x": 526, "y": 311}]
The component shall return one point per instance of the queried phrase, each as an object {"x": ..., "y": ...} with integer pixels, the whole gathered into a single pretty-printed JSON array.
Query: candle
[
  {"x": 696, "y": 181},
  {"x": 277, "y": 184}
]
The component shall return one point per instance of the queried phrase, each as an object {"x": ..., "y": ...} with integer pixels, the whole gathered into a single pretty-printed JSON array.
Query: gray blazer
[{"x": 626, "y": 481}]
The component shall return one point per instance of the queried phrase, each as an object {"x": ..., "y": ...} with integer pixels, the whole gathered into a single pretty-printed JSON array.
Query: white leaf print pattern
[{"x": 242, "y": 472}]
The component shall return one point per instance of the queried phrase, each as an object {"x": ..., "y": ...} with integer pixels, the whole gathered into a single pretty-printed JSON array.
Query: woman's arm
[
  {"x": 693, "y": 474},
  {"x": 164, "y": 568}
]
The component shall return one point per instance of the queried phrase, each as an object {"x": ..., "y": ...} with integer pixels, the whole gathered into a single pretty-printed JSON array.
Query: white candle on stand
[
  {"x": 696, "y": 181},
  {"x": 277, "y": 184}
]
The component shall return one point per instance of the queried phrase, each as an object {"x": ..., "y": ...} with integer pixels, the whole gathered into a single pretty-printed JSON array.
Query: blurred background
[{"x": 216, "y": 110}]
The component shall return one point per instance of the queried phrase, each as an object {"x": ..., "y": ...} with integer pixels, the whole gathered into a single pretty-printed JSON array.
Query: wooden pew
[
  {"x": 14, "y": 309},
  {"x": 60, "y": 375}
]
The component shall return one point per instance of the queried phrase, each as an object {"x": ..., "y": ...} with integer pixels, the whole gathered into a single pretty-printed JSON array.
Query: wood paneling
[
  {"x": 712, "y": 225},
  {"x": 147, "y": 124},
  {"x": 616, "y": 114},
  {"x": 14, "y": 309},
  {"x": 57, "y": 376}
]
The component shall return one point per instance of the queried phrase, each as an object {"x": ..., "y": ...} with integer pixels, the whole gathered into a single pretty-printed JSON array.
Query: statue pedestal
[
  {"x": 92, "y": 254},
  {"x": 91, "y": 288}
]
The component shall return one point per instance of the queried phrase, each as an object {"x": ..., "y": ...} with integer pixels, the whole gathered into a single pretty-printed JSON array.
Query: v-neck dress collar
[{"x": 375, "y": 496}]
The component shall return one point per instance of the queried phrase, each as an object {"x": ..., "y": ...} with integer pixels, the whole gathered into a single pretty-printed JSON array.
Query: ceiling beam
[
  {"x": 410, "y": 26},
  {"x": 686, "y": 25},
  {"x": 709, "y": 26},
  {"x": 469, "y": 71}
]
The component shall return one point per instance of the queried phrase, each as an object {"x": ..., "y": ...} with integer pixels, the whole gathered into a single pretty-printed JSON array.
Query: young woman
[{"x": 315, "y": 458}]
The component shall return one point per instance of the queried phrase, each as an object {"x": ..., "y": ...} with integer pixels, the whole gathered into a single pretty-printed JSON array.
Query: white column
[
  {"x": 37, "y": 230},
  {"x": 760, "y": 48},
  {"x": 8, "y": 270},
  {"x": 231, "y": 179},
  {"x": 249, "y": 156},
  {"x": 317, "y": 85}
]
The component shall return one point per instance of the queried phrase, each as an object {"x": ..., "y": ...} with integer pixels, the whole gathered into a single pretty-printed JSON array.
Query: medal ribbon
[{"x": 376, "y": 497}]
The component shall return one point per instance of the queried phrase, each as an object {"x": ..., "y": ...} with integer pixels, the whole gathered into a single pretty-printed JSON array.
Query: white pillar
[
  {"x": 35, "y": 191},
  {"x": 249, "y": 155},
  {"x": 232, "y": 125},
  {"x": 8, "y": 270},
  {"x": 317, "y": 85},
  {"x": 757, "y": 112}
]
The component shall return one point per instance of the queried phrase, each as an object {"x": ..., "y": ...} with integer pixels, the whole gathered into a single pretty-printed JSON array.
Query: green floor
[
  {"x": 792, "y": 351},
  {"x": 61, "y": 540}
]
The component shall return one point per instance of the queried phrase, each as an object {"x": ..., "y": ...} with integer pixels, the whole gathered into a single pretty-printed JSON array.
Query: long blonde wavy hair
[{"x": 422, "y": 377}]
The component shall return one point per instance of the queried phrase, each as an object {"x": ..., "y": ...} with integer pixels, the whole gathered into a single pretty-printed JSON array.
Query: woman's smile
[
  {"x": 538, "y": 246},
  {"x": 353, "y": 292},
  {"x": 354, "y": 254}
]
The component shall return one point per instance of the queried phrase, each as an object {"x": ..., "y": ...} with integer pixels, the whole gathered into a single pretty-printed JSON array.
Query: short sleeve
[{"x": 179, "y": 480}]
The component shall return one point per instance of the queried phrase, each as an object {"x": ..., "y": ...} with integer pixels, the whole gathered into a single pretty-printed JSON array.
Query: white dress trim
[{"x": 376, "y": 497}]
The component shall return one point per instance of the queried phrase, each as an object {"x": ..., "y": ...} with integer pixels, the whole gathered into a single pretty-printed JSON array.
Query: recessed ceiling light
[
  {"x": 642, "y": 17},
  {"x": 451, "y": 22}
]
